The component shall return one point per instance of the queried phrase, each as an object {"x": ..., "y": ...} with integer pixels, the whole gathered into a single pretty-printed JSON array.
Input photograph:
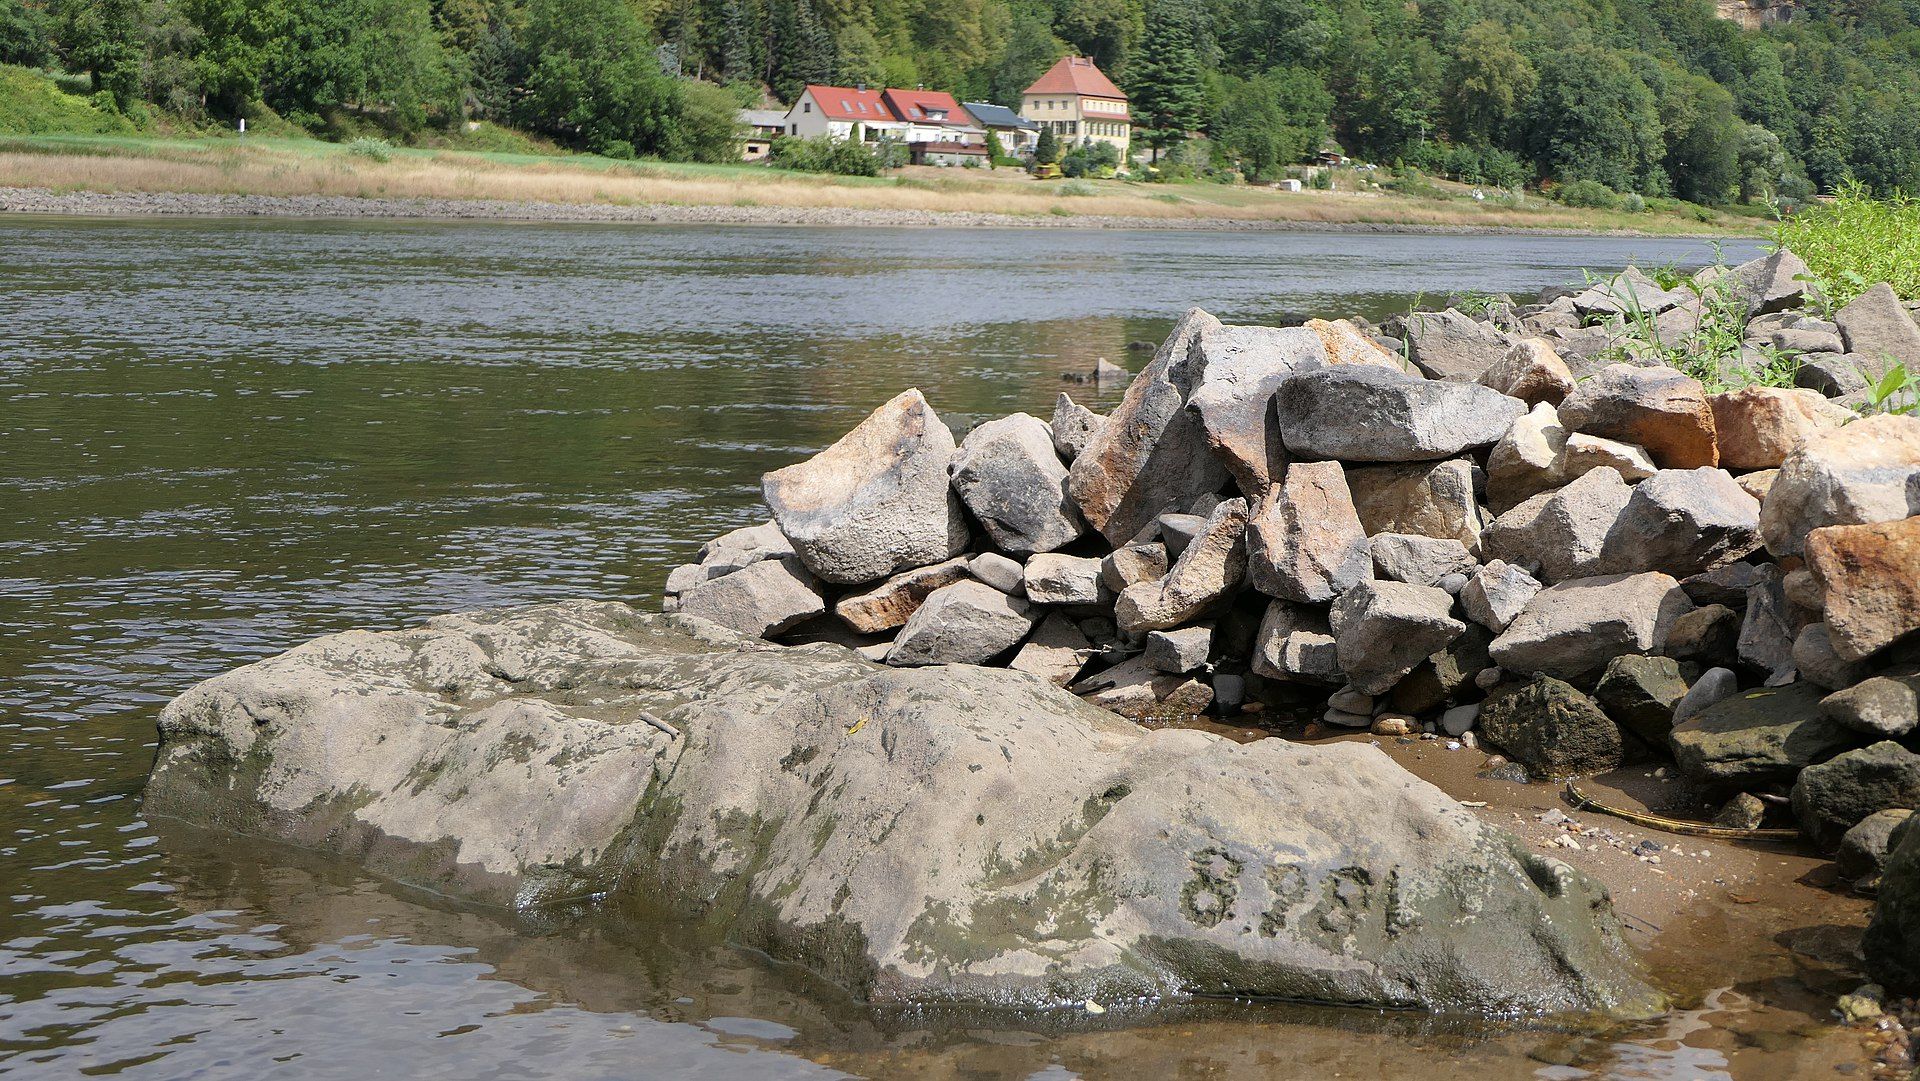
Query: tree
[
  {"x": 1047, "y": 150},
  {"x": 1703, "y": 141},
  {"x": 26, "y": 34},
  {"x": 1032, "y": 48},
  {"x": 103, "y": 38},
  {"x": 1592, "y": 118},
  {"x": 1763, "y": 163},
  {"x": 1271, "y": 120},
  {"x": 1168, "y": 90},
  {"x": 1488, "y": 84}
]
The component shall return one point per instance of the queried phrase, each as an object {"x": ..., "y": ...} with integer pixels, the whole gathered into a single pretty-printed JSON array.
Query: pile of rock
[{"x": 1488, "y": 523}]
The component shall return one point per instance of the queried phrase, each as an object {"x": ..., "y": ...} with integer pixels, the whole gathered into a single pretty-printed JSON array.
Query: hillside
[{"x": 1653, "y": 97}]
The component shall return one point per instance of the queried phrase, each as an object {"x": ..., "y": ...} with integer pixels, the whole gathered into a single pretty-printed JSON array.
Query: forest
[{"x": 1652, "y": 97}]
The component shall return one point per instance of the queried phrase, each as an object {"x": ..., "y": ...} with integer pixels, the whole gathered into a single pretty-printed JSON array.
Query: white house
[{"x": 840, "y": 111}]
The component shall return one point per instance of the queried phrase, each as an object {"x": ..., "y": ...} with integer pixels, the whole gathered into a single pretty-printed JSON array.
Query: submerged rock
[{"x": 928, "y": 835}]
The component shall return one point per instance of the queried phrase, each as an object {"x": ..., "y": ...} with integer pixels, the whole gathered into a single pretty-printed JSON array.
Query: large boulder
[
  {"x": 1369, "y": 413},
  {"x": 1683, "y": 522},
  {"x": 1383, "y": 629},
  {"x": 1865, "y": 472},
  {"x": 1757, "y": 427},
  {"x": 965, "y": 623},
  {"x": 1551, "y": 728},
  {"x": 1877, "y": 328},
  {"x": 765, "y": 598},
  {"x": 1572, "y": 629},
  {"x": 889, "y": 604},
  {"x": 1305, "y": 541},
  {"x": 1150, "y": 455},
  {"x": 875, "y": 502},
  {"x": 1009, "y": 475},
  {"x": 949, "y": 835},
  {"x": 1240, "y": 368},
  {"x": 1885, "y": 706},
  {"x": 1532, "y": 372},
  {"x": 1418, "y": 560},
  {"x": 1056, "y": 651},
  {"x": 1295, "y": 645},
  {"x": 1831, "y": 797},
  {"x": 1052, "y": 578},
  {"x": 1449, "y": 345},
  {"x": 1496, "y": 594},
  {"x": 1072, "y": 426},
  {"x": 1562, "y": 532},
  {"x": 1528, "y": 460},
  {"x": 1640, "y": 693},
  {"x": 1137, "y": 691},
  {"x": 1209, "y": 569},
  {"x": 1776, "y": 282},
  {"x": 1891, "y": 945},
  {"x": 1871, "y": 578},
  {"x": 1432, "y": 499},
  {"x": 1657, "y": 408},
  {"x": 1758, "y": 737}
]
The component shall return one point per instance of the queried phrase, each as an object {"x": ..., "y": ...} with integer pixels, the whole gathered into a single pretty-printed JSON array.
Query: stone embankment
[{"x": 1518, "y": 527}]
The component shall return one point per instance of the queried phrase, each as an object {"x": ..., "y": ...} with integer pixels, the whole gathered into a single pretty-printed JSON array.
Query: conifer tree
[{"x": 1168, "y": 88}]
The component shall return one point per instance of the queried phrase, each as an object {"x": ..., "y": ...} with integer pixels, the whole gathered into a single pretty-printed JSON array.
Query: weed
[
  {"x": 1898, "y": 391},
  {"x": 369, "y": 147},
  {"x": 1075, "y": 187},
  {"x": 1855, "y": 241}
]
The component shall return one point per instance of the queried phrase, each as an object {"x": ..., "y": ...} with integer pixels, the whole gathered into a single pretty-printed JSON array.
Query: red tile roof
[
  {"x": 842, "y": 103},
  {"x": 1076, "y": 75},
  {"x": 920, "y": 106}
]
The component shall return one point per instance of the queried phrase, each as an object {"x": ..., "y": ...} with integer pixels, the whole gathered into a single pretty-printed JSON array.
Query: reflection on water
[{"x": 218, "y": 439}]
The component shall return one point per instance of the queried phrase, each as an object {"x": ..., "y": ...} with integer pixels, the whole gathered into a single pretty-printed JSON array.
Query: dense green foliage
[
  {"x": 1654, "y": 97},
  {"x": 1856, "y": 241},
  {"x": 844, "y": 157}
]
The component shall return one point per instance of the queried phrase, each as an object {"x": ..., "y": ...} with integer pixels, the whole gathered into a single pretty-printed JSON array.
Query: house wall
[{"x": 1074, "y": 117}]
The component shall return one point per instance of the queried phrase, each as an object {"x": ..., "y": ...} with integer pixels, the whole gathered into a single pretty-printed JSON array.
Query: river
[{"x": 219, "y": 438}]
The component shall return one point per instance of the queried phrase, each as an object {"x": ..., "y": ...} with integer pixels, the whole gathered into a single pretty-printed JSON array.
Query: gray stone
[
  {"x": 1176, "y": 530},
  {"x": 1584, "y": 453},
  {"x": 1351, "y": 701},
  {"x": 1726, "y": 585},
  {"x": 1563, "y": 532},
  {"x": 1056, "y": 651},
  {"x": 1656, "y": 408},
  {"x": 1528, "y": 460},
  {"x": 889, "y": 604},
  {"x": 682, "y": 578},
  {"x": 1305, "y": 541},
  {"x": 1342, "y": 719},
  {"x": 1134, "y": 690},
  {"x": 1708, "y": 635},
  {"x": 1132, "y": 564},
  {"x": 1497, "y": 593},
  {"x": 1431, "y": 499},
  {"x": 875, "y": 502},
  {"x": 1449, "y": 345},
  {"x": 1229, "y": 691},
  {"x": 1630, "y": 292},
  {"x": 1878, "y": 329},
  {"x": 1452, "y": 582},
  {"x": 1180, "y": 650},
  {"x": 1532, "y": 372},
  {"x": 1714, "y": 686},
  {"x": 1383, "y": 629},
  {"x": 766, "y": 598},
  {"x": 1758, "y": 737},
  {"x": 857, "y": 821},
  {"x": 1767, "y": 631},
  {"x": 1572, "y": 629},
  {"x": 1771, "y": 283},
  {"x": 1814, "y": 658},
  {"x": 1887, "y": 706},
  {"x": 1891, "y": 945},
  {"x": 1460, "y": 720},
  {"x": 1240, "y": 369},
  {"x": 964, "y": 623},
  {"x": 1107, "y": 373},
  {"x": 1008, "y": 474},
  {"x": 1865, "y": 472},
  {"x": 1207, "y": 571},
  {"x": 1832, "y": 375},
  {"x": 1864, "y": 848},
  {"x": 1150, "y": 456},
  {"x": 1053, "y": 578},
  {"x": 764, "y": 540},
  {"x": 1368, "y": 413},
  {"x": 1831, "y": 797},
  {"x": 1639, "y": 693},
  {"x": 1295, "y": 644},
  {"x": 1417, "y": 560},
  {"x": 1446, "y": 675},
  {"x": 1682, "y": 522},
  {"x": 1551, "y": 728},
  {"x": 1799, "y": 340},
  {"x": 1072, "y": 427},
  {"x": 1001, "y": 572}
]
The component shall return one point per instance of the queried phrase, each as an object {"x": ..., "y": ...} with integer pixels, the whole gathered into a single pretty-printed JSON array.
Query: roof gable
[
  {"x": 927, "y": 107},
  {"x": 845, "y": 103},
  {"x": 1076, "y": 75}
]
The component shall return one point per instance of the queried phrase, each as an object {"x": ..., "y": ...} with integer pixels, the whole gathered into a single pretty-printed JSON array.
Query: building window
[{"x": 806, "y": 106}]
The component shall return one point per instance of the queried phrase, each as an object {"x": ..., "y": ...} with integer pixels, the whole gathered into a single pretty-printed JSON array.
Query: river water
[{"x": 220, "y": 438}]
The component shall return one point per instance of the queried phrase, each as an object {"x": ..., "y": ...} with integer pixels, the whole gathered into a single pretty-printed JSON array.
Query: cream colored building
[{"x": 1077, "y": 102}]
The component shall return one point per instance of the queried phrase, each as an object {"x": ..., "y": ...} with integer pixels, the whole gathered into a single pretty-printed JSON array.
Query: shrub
[
  {"x": 1587, "y": 193},
  {"x": 1075, "y": 187},
  {"x": 825, "y": 154},
  {"x": 1633, "y": 203},
  {"x": 369, "y": 147},
  {"x": 1095, "y": 159},
  {"x": 1857, "y": 241}
]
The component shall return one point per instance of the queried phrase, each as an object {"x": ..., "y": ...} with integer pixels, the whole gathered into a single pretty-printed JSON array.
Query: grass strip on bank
[{"x": 289, "y": 166}]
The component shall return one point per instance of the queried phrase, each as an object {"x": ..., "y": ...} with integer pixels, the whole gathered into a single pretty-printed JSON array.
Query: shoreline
[{"x": 132, "y": 204}]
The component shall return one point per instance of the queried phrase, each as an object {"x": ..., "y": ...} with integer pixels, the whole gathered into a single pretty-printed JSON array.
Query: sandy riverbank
[{"x": 194, "y": 204}]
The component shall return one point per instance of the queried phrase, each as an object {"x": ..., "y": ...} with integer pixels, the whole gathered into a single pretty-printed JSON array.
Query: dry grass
[{"x": 300, "y": 167}]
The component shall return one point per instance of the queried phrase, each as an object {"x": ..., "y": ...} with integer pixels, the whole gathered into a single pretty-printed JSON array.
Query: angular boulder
[
  {"x": 1832, "y": 797},
  {"x": 1295, "y": 645},
  {"x": 1449, "y": 345},
  {"x": 1562, "y": 532},
  {"x": 1870, "y": 575},
  {"x": 1639, "y": 693},
  {"x": 1150, "y": 455},
  {"x": 1865, "y": 472},
  {"x": 1572, "y": 629},
  {"x": 1368, "y": 413},
  {"x": 1772, "y": 283},
  {"x": 1885, "y": 706},
  {"x": 964, "y": 623},
  {"x": 1657, "y": 408},
  {"x": 1240, "y": 369},
  {"x": 763, "y": 599},
  {"x": 1758, "y": 737},
  {"x": 1305, "y": 541},
  {"x": 1417, "y": 560},
  {"x": 1207, "y": 571},
  {"x": 1528, "y": 460},
  {"x": 1052, "y": 578},
  {"x": 1137, "y": 691},
  {"x": 1551, "y": 728},
  {"x": 932, "y": 836},
  {"x": 1682, "y": 522},
  {"x": 1431, "y": 499},
  {"x": 889, "y": 604},
  {"x": 875, "y": 502},
  {"x": 1877, "y": 328},
  {"x": 1009, "y": 475},
  {"x": 1757, "y": 427},
  {"x": 1532, "y": 372},
  {"x": 1072, "y": 426},
  {"x": 1383, "y": 629},
  {"x": 1055, "y": 652},
  {"x": 1497, "y": 593},
  {"x": 1585, "y": 453}
]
